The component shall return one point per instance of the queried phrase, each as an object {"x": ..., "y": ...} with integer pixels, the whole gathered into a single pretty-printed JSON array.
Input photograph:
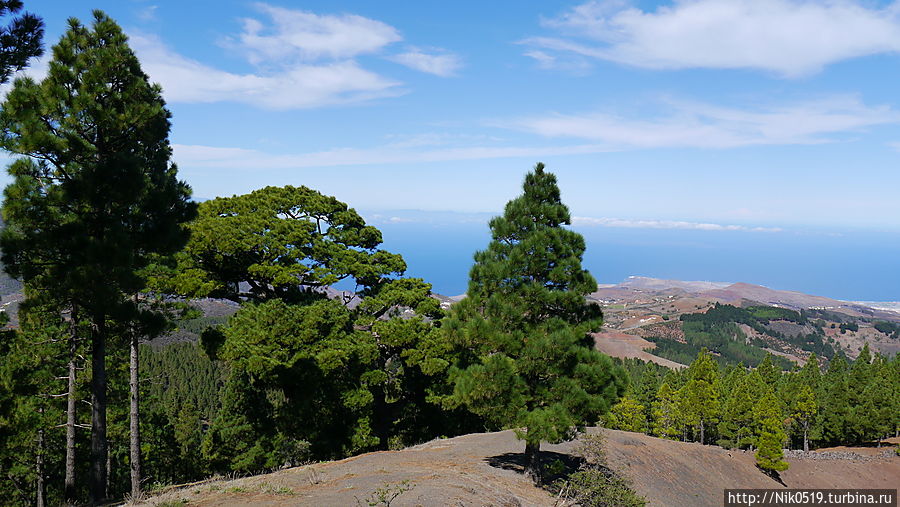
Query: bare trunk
[
  {"x": 108, "y": 471},
  {"x": 99, "y": 445},
  {"x": 135, "y": 421},
  {"x": 69, "y": 488},
  {"x": 533, "y": 462},
  {"x": 39, "y": 465},
  {"x": 805, "y": 436},
  {"x": 702, "y": 432}
]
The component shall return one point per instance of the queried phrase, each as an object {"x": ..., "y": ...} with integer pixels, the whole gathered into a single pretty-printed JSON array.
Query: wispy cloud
[
  {"x": 665, "y": 224},
  {"x": 791, "y": 38},
  {"x": 295, "y": 87},
  {"x": 296, "y": 35},
  {"x": 701, "y": 125},
  {"x": 240, "y": 158},
  {"x": 437, "y": 62},
  {"x": 301, "y": 60}
]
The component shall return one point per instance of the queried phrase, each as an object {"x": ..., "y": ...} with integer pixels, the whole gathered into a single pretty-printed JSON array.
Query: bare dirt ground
[
  {"x": 486, "y": 469},
  {"x": 616, "y": 344}
]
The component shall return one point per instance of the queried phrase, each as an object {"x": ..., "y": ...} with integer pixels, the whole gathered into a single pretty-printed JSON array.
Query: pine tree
[
  {"x": 701, "y": 393},
  {"x": 835, "y": 415},
  {"x": 771, "y": 437},
  {"x": 97, "y": 197},
  {"x": 666, "y": 416},
  {"x": 737, "y": 426},
  {"x": 352, "y": 358},
  {"x": 803, "y": 409},
  {"x": 875, "y": 414},
  {"x": 861, "y": 377},
  {"x": 524, "y": 356},
  {"x": 769, "y": 373},
  {"x": 627, "y": 415}
]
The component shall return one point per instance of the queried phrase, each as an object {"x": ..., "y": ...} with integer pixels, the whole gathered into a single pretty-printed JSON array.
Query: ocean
[{"x": 848, "y": 265}]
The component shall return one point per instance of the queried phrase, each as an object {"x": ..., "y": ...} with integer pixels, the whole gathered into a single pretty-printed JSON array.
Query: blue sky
[{"x": 764, "y": 117}]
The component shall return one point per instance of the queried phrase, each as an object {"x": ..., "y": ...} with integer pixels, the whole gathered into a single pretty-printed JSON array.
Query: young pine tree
[
  {"x": 701, "y": 394},
  {"x": 525, "y": 358},
  {"x": 770, "y": 456},
  {"x": 627, "y": 415},
  {"x": 666, "y": 413}
]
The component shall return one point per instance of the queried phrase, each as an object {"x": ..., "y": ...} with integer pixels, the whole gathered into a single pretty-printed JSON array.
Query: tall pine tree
[
  {"x": 97, "y": 196},
  {"x": 525, "y": 358}
]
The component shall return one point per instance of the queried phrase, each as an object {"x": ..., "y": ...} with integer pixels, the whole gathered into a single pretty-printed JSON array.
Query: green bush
[{"x": 595, "y": 484}]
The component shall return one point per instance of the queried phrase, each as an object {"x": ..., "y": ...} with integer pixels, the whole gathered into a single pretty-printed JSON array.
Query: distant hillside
[
  {"x": 644, "y": 283},
  {"x": 796, "y": 325}
]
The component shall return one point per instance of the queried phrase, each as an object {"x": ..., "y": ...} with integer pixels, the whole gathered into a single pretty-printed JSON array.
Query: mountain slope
[{"x": 485, "y": 469}]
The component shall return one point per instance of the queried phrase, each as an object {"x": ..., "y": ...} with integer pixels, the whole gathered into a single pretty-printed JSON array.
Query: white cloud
[
  {"x": 301, "y": 60},
  {"x": 239, "y": 158},
  {"x": 306, "y": 36},
  {"x": 665, "y": 224},
  {"x": 294, "y": 87},
  {"x": 440, "y": 63},
  {"x": 789, "y": 37},
  {"x": 699, "y": 125}
]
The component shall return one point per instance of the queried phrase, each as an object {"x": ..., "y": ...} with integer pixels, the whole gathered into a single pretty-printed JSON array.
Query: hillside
[
  {"x": 788, "y": 324},
  {"x": 485, "y": 469}
]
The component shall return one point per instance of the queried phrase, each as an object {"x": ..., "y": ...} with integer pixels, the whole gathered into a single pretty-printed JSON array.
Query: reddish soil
[{"x": 615, "y": 344}]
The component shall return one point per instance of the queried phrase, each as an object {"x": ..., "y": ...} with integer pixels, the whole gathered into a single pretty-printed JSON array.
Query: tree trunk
[
  {"x": 135, "y": 421},
  {"x": 380, "y": 413},
  {"x": 39, "y": 465},
  {"x": 108, "y": 471},
  {"x": 702, "y": 432},
  {"x": 99, "y": 445},
  {"x": 805, "y": 438},
  {"x": 69, "y": 488},
  {"x": 533, "y": 462}
]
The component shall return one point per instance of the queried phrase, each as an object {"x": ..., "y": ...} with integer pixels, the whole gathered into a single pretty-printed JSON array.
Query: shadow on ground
[{"x": 556, "y": 464}]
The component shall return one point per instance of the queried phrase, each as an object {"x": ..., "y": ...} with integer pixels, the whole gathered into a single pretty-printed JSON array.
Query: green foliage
[
  {"x": 94, "y": 199},
  {"x": 668, "y": 420},
  {"x": 282, "y": 242},
  {"x": 594, "y": 484},
  {"x": 519, "y": 344},
  {"x": 846, "y": 405},
  {"x": 770, "y": 313},
  {"x": 182, "y": 393},
  {"x": 20, "y": 40},
  {"x": 627, "y": 415},
  {"x": 307, "y": 359},
  {"x": 891, "y": 329},
  {"x": 848, "y": 326},
  {"x": 699, "y": 398},
  {"x": 737, "y": 428},
  {"x": 717, "y": 330},
  {"x": 769, "y": 456},
  {"x": 385, "y": 495},
  {"x": 103, "y": 197}
]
